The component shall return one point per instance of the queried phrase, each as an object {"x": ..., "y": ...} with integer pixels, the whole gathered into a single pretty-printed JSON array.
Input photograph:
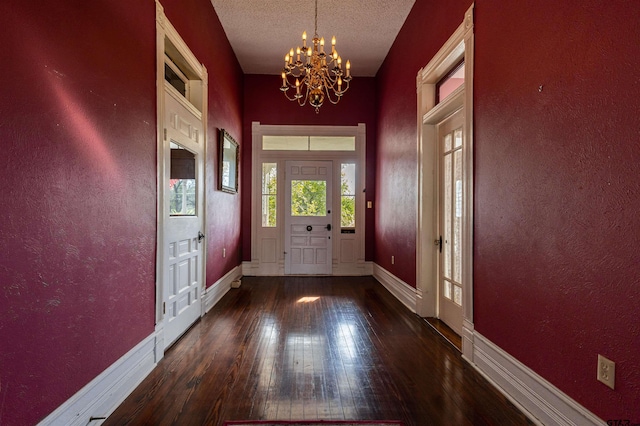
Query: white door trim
[
  {"x": 459, "y": 46},
  {"x": 276, "y": 235},
  {"x": 198, "y": 105}
]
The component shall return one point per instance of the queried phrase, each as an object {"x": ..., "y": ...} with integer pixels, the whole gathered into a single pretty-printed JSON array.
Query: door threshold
[{"x": 446, "y": 332}]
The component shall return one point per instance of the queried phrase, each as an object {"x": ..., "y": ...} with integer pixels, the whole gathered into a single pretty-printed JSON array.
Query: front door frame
[
  {"x": 167, "y": 38},
  {"x": 269, "y": 242},
  {"x": 429, "y": 114}
]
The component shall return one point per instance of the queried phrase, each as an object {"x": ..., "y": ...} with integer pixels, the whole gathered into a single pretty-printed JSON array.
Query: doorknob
[
  {"x": 200, "y": 236},
  {"x": 328, "y": 227},
  {"x": 438, "y": 243}
]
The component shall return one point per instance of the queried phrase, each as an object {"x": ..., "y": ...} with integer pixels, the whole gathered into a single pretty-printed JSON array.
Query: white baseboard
[
  {"x": 105, "y": 393},
  {"x": 254, "y": 269},
  {"x": 540, "y": 400},
  {"x": 214, "y": 293},
  {"x": 544, "y": 402},
  {"x": 401, "y": 290}
]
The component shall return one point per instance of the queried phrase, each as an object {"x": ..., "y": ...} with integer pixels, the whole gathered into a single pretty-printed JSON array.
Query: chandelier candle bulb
[
  {"x": 304, "y": 39},
  {"x": 322, "y": 45}
]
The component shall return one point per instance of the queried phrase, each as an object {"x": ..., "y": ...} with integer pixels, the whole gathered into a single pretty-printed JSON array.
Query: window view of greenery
[
  {"x": 269, "y": 192},
  {"x": 182, "y": 197},
  {"x": 348, "y": 195},
  {"x": 308, "y": 198}
]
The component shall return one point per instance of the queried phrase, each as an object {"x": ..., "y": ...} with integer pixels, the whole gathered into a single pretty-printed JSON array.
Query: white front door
[
  {"x": 450, "y": 140},
  {"x": 183, "y": 241},
  {"x": 308, "y": 219}
]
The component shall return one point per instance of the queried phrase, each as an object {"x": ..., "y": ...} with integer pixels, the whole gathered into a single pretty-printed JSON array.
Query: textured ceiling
[{"x": 261, "y": 32}]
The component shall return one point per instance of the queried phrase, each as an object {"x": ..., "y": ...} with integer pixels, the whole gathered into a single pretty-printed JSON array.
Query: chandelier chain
[{"x": 316, "y": 22}]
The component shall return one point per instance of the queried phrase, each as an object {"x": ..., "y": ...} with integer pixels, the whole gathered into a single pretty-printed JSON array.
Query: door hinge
[
  {"x": 164, "y": 308},
  {"x": 165, "y": 133}
]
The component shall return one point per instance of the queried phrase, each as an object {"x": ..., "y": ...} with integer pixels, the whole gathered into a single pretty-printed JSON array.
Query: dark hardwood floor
[{"x": 349, "y": 351}]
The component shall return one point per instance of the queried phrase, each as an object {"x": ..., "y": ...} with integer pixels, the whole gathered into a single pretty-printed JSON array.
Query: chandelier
[{"x": 313, "y": 74}]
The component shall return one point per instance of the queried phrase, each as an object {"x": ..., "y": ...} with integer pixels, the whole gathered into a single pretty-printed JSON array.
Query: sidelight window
[
  {"x": 348, "y": 196},
  {"x": 269, "y": 194}
]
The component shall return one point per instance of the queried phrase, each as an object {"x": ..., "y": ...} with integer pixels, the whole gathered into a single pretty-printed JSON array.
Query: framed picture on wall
[{"x": 229, "y": 157}]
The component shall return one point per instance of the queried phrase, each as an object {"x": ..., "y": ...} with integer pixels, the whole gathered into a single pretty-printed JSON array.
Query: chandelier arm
[
  {"x": 302, "y": 100},
  {"x": 288, "y": 97}
]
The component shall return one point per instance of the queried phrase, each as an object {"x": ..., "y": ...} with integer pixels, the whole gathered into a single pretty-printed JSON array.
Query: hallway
[{"x": 313, "y": 348}]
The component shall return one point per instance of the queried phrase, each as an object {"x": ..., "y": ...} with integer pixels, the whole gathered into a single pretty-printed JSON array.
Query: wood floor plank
[{"x": 350, "y": 351}]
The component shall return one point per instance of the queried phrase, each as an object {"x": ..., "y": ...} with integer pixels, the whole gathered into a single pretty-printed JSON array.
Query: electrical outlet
[
  {"x": 393, "y": 260},
  {"x": 606, "y": 371},
  {"x": 369, "y": 204}
]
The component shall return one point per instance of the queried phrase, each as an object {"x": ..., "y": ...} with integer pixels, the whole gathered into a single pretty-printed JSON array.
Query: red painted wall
[
  {"x": 557, "y": 191},
  {"x": 78, "y": 173},
  {"x": 426, "y": 29},
  {"x": 557, "y": 139},
  {"x": 264, "y": 102}
]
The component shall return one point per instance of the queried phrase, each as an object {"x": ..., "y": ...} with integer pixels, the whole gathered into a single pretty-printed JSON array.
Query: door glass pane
[
  {"x": 446, "y": 238},
  {"x": 348, "y": 195},
  {"x": 457, "y": 295},
  {"x": 446, "y": 289},
  {"x": 457, "y": 137},
  {"x": 182, "y": 182},
  {"x": 269, "y": 194},
  {"x": 457, "y": 219},
  {"x": 308, "y": 198},
  {"x": 447, "y": 143}
]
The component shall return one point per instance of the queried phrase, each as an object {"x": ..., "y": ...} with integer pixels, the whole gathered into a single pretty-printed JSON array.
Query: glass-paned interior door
[
  {"x": 183, "y": 215},
  {"x": 308, "y": 219},
  {"x": 450, "y": 223}
]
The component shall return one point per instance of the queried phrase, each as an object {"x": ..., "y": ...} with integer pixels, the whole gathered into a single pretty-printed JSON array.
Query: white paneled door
[
  {"x": 450, "y": 139},
  {"x": 308, "y": 218},
  {"x": 183, "y": 240}
]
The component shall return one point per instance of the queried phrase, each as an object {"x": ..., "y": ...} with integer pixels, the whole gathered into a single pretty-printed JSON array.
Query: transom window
[
  {"x": 309, "y": 143},
  {"x": 450, "y": 82}
]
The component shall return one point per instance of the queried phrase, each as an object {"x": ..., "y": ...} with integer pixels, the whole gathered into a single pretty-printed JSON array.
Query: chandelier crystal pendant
[{"x": 313, "y": 74}]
